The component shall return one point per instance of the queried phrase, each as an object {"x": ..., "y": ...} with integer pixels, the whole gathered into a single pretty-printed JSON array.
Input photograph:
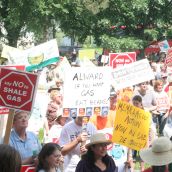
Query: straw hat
[
  {"x": 98, "y": 138},
  {"x": 53, "y": 87},
  {"x": 159, "y": 154}
]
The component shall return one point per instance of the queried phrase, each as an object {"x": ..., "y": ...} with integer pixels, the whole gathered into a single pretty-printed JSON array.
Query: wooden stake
[{"x": 9, "y": 126}]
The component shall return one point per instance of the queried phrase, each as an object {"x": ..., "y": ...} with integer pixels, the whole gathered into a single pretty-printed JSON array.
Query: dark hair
[
  {"x": 10, "y": 159},
  {"x": 159, "y": 168},
  {"x": 45, "y": 152},
  {"x": 90, "y": 158},
  {"x": 137, "y": 98}
]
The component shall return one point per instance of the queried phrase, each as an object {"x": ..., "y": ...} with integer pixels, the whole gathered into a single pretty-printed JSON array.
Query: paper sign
[
  {"x": 164, "y": 46},
  {"x": 7, "y": 49},
  {"x": 86, "y": 90},
  {"x": 132, "y": 74},
  {"x": 104, "y": 59},
  {"x": 131, "y": 126},
  {"x": 87, "y": 53}
]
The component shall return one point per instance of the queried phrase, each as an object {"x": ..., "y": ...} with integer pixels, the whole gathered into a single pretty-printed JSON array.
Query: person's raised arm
[{"x": 71, "y": 145}]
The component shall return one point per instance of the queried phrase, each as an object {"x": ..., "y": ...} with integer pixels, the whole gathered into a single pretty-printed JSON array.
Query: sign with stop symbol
[
  {"x": 120, "y": 59},
  {"x": 17, "y": 89}
]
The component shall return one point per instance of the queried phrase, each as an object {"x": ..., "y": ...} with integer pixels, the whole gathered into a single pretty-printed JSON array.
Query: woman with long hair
[
  {"x": 96, "y": 158},
  {"x": 49, "y": 159}
]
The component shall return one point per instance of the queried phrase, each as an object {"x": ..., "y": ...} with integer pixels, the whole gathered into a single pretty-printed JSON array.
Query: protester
[
  {"x": 71, "y": 138},
  {"x": 148, "y": 96},
  {"x": 49, "y": 158},
  {"x": 159, "y": 155},
  {"x": 10, "y": 160},
  {"x": 96, "y": 158},
  {"x": 163, "y": 105},
  {"x": 137, "y": 101},
  {"x": 24, "y": 141},
  {"x": 53, "y": 107},
  {"x": 55, "y": 130},
  {"x": 59, "y": 84}
]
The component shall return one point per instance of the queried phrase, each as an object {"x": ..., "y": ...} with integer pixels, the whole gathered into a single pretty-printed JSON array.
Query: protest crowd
[{"x": 91, "y": 118}]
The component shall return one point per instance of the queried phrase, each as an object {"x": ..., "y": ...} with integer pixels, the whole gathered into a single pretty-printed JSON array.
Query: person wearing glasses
[{"x": 24, "y": 141}]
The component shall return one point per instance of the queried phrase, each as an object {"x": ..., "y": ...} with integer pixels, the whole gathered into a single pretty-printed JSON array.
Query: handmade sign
[
  {"x": 132, "y": 74},
  {"x": 131, "y": 126},
  {"x": 86, "y": 91}
]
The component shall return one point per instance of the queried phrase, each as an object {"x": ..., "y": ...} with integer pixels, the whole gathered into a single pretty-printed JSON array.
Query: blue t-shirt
[{"x": 26, "y": 147}]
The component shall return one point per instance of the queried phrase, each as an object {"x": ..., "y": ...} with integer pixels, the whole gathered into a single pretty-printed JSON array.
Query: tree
[
  {"x": 14, "y": 16},
  {"x": 136, "y": 23}
]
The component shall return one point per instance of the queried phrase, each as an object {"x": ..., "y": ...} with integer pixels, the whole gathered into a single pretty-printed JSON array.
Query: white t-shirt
[
  {"x": 69, "y": 132},
  {"x": 163, "y": 102},
  {"x": 54, "y": 133}
]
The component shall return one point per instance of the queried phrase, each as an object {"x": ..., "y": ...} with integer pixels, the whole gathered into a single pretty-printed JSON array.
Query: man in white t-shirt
[{"x": 71, "y": 139}]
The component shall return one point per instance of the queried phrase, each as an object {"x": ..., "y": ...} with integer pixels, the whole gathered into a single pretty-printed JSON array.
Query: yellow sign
[
  {"x": 87, "y": 53},
  {"x": 131, "y": 126}
]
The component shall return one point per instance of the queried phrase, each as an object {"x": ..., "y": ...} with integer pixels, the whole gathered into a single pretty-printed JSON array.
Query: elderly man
[{"x": 24, "y": 141}]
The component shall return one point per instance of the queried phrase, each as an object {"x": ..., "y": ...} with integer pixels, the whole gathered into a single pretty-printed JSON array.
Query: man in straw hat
[
  {"x": 159, "y": 155},
  {"x": 96, "y": 158}
]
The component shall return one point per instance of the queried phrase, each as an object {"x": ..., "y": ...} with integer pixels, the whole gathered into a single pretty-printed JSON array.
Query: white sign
[
  {"x": 164, "y": 46},
  {"x": 35, "y": 55},
  {"x": 104, "y": 59},
  {"x": 87, "y": 90},
  {"x": 132, "y": 74}
]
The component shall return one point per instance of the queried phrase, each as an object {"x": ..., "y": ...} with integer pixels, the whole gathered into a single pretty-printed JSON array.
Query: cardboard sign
[
  {"x": 132, "y": 74},
  {"x": 86, "y": 91},
  {"x": 87, "y": 53},
  {"x": 168, "y": 60},
  {"x": 17, "y": 89},
  {"x": 131, "y": 126},
  {"x": 120, "y": 59}
]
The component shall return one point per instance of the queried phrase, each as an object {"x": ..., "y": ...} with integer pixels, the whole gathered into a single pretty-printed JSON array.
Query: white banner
[
  {"x": 86, "y": 91},
  {"x": 132, "y": 74},
  {"x": 35, "y": 55}
]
